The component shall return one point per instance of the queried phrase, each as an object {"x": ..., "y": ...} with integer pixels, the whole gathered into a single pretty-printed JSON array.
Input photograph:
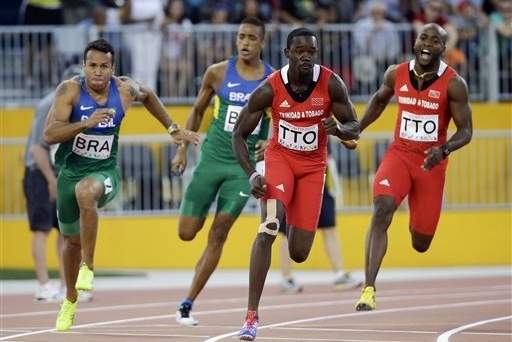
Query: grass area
[{"x": 21, "y": 274}]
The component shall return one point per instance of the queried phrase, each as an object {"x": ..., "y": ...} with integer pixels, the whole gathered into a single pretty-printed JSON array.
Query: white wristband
[{"x": 253, "y": 176}]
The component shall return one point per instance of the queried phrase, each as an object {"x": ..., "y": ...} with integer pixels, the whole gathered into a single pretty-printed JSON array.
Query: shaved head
[{"x": 440, "y": 31}]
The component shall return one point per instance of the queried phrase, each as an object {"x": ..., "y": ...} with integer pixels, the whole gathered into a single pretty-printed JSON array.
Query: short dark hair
[
  {"x": 256, "y": 22},
  {"x": 301, "y": 31},
  {"x": 99, "y": 45}
]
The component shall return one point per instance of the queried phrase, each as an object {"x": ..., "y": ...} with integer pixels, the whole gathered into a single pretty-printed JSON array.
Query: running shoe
[
  {"x": 290, "y": 286},
  {"x": 367, "y": 300},
  {"x": 250, "y": 328},
  {"x": 345, "y": 281},
  {"x": 83, "y": 296},
  {"x": 66, "y": 315},
  {"x": 183, "y": 315},
  {"x": 85, "y": 279},
  {"x": 46, "y": 293}
]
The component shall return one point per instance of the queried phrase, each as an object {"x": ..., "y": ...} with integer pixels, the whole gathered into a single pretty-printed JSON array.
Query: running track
[{"x": 442, "y": 310}]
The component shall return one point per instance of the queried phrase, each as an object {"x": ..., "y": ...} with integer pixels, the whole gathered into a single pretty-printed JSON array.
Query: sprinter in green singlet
[
  {"x": 85, "y": 119},
  {"x": 218, "y": 174}
]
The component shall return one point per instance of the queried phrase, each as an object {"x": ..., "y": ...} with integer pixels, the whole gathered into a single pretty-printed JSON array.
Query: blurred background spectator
[
  {"x": 376, "y": 37},
  {"x": 75, "y": 11},
  {"x": 437, "y": 11},
  {"x": 501, "y": 18},
  {"x": 177, "y": 60},
  {"x": 261, "y": 9},
  {"x": 376, "y": 45},
  {"x": 144, "y": 39}
]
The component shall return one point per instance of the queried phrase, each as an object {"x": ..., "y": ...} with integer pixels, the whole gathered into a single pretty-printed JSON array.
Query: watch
[
  {"x": 445, "y": 151},
  {"x": 173, "y": 128}
]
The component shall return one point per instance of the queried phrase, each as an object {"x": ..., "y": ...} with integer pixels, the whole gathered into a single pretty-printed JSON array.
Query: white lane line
[
  {"x": 269, "y": 298},
  {"x": 384, "y": 331},
  {"x": 445, "y": 337},
  {"x": 324, "y": 339},
  {"x": 365, "y": 313},
  {"x": 486, "y": 333},
  {"x": 243, "y": 309},
  {"x": 133, "y": 334}
]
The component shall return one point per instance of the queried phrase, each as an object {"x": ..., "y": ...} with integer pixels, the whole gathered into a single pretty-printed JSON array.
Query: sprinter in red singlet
[
  {"x": 429, "y": 93},
  {"x": 303, "y": 97}
]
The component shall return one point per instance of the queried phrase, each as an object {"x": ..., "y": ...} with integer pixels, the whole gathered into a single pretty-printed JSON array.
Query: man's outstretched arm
[
  {"x": 380, "y": 99},
  {"x": 153, "y": 104}
]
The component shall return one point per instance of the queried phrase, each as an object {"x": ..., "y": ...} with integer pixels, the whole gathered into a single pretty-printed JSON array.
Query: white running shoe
[
  {"x": 183, "y": 315},
  {"x": 83, "y": 296},
  {"x": 46, "y": 293},
  {"x": 290, "y": 285},
  {"x": 345, "y": 281}
]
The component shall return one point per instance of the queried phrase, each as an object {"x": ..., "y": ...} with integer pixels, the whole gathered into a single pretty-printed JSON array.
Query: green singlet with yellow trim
[{"x": 218, "y": 171}]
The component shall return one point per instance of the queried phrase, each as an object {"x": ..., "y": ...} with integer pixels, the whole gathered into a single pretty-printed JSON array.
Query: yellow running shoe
[
  {"x": 66, "y": 315},
  {"x": 84, "y": 281},
  {"x": 367, "y": 300}
]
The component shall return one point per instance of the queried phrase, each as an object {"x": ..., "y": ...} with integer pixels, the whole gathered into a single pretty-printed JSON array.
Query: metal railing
[
  {"x": 173, "y": 59},
  {"x": 479, "y": 175}
]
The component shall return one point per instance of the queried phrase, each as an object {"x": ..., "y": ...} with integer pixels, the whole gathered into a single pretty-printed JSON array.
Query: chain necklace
[{"x": 422, "y": 76}]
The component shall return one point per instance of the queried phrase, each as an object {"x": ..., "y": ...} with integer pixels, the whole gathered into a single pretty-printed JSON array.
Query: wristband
[{"x": 253, "y": 176}]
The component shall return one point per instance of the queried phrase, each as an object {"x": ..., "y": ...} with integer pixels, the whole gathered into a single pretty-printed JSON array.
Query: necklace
[{"x": 422, "y": 76}]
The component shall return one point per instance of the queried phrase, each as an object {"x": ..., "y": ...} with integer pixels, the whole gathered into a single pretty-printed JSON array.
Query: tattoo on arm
[
  {"x": 133, "y": 92},
  {"x": 62, "y": 89}
]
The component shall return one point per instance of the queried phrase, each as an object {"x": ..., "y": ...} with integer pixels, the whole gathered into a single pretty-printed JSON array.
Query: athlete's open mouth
[
  {"x": 306, "y": 65},
  {"x": 425, "y": 53}
]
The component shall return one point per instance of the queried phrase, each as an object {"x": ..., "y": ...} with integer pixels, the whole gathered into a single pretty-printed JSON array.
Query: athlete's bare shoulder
[
  {"x": 457, "y": 88},
  {"x": 68, "y": 89},
  {"x": 217, "y": 71},
  {"x": 390, "y": 75},
  {"x": 123, "y": 82},
  {"x": 130, "y": 88}
]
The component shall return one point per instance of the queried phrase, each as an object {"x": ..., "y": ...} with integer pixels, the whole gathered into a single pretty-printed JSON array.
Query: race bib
[
  {"x": 93, "y": 146},
  {"x": 298, "y": 138},
  {"x": 231, "y": 117},
  {"x": 422, "y": 128}
]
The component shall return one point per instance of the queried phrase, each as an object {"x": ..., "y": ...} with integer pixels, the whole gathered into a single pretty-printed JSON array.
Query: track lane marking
[
  {"x": 365, "y": 313},
  {"x": 445, "y": 337}
]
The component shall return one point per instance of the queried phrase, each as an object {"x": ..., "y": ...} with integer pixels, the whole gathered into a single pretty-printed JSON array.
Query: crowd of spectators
[
  {"x": 463, "y": 15},
  {"x": 161, "y": 25}
]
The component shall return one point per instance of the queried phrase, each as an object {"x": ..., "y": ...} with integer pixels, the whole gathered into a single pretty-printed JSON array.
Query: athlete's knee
[
  {"x": 298, "y": 254},
  {"x": 186, "y": 234},
  {"x": 384, "y": 210},
  {"x": 188, "y": 227},
  {"x": 86, "y": 193},
  {"x": 72, "y": 243},
  {"x": 270, "y": 225},
  {"x": 421, "y": 246},
  {"x": 420, "y": 243}
]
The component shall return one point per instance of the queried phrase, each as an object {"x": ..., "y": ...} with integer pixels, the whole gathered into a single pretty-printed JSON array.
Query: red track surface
[{"x": 407, "y": 311}]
